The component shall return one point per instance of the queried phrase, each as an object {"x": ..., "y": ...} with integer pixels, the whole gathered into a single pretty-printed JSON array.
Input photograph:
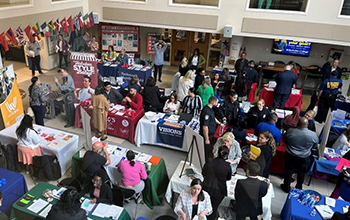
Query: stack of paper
[
  {"x": 296, "y": 91},
  {"x": 325, "y": 211},
  {"x": 101, "y": 210},
  {"x": 37, "y": 205},
  {"x": 144, "y": 158},
  {"x": 107, "y": 211},
  {"x": 119, "y": 151},
  {"x": 46, "y": 211},
  {"x": 114, "y": 212},
  {"x": 57, "y": 193}
]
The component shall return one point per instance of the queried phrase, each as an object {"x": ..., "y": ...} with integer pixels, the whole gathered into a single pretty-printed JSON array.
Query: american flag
[{"x": 20, "y": 35}]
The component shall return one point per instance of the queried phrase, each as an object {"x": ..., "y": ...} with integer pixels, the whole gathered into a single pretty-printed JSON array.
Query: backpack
[{"x": 46, "y": 167}]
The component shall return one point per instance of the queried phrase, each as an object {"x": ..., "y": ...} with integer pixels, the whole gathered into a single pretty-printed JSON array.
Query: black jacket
[
  {"x": 114, "y": 96},
  {"x": 92, "y": 162},
  {"x": 241, "y": 65},
  {"x": 327, "y": 72},
  {"x": 255, "y": 116},
  {"x": 198, "y": 80},
  {"x": 151, "y": 96},
  {"x": 184, "y": 70},
  {"x": 285, "y": 81},
  {"x": 231, "y": 111},
  {"x": 106, "y": 195},
  {"x": 252, "y": 77},
  {"x": 57, "y": 214}
]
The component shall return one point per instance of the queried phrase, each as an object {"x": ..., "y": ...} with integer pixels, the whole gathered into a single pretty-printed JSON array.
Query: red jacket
[{"x": 137, "y": 102}]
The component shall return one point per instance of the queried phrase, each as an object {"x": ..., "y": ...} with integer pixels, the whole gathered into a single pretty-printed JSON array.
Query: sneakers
[{"x": 159, "y": 80}]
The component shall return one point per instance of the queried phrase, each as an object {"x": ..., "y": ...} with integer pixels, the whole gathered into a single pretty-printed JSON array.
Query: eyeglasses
[{"x": 95, "y": 181}]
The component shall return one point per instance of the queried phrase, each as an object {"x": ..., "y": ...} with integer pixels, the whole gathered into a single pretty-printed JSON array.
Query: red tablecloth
[
  {"x": 251, "y": 95},
  {"x": 120, "y": 126},
  {"x": 294, "y": 100}
]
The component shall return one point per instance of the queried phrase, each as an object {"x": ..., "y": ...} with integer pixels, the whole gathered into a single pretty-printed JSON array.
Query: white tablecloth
[
  {"x": 178, "y": 184},
  {"x": 146, "y": 133},
  {"x": 64, "y": 150}
]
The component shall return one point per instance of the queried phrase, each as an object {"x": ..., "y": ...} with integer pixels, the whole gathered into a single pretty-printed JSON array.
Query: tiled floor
[{"x": 171, "y": 157}]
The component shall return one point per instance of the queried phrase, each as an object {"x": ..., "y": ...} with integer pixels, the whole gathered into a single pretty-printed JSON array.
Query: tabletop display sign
[
  {"x": 83, "y": 64},
  {"x": 170, "y": 134},
  {"x": 11, "y": 102},
  {"x": 291, "y": 47},
  {"x": 152, "y": 38},
  {"x": 120, "y": 36}
]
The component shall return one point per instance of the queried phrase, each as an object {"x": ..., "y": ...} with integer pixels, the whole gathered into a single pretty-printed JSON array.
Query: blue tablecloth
[
  {"x": 324, "y": 166},
  {"x": 342, "y": 105},
  {"x": 128, "y": 74},
  {"x": 107, "y": 71},
  {"x": 293, "y": 210},
  {"x": 337, "y": 130},
  {"x": 14, "y": 189}
]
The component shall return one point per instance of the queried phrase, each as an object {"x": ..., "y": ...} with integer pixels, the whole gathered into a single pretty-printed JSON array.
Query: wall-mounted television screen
[{"x": 291, "y": 47}]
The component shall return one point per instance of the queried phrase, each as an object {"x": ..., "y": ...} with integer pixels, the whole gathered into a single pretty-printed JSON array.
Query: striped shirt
[{"x": 192, "y": 106}]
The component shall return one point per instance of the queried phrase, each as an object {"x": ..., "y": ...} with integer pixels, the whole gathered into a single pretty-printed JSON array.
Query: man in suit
[
  {"x": 249, "y": 193},
  {"x": 328, "y": 69},
  {"x": 285, "y": 80}
]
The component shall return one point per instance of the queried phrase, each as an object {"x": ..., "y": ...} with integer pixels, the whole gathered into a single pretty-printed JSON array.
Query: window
[
  {"x": 13, "y": 3},
  {"x": 214, "y": 3},
  {"x": 346, "y": 8},
  {"x": 287, "y": 5}
]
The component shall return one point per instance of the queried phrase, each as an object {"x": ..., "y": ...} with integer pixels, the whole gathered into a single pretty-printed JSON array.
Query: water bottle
[{"x": 313, "y": 212}]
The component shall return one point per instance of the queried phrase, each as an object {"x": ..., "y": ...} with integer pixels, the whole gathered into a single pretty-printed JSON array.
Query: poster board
[
  {"x": 152, "y": 38},
  {"x": 200, "y": 141},
  {"x": 326, "y": 130},
  {"x": 120, "y": 36},
  {"x": 11, "y": 101},
  {"x": 83, "y": 64}
]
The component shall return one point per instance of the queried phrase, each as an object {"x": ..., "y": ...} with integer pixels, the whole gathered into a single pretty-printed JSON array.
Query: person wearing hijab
[{"x": 291, "y": 121}]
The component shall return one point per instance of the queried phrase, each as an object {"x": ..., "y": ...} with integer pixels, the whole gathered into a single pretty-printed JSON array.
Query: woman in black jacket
[
  {"x": 151, "y": 95},
  {"x": 68, "y": 207},
  {"x": 257, "y": 114},
  {"x": 101, "y": 192}
]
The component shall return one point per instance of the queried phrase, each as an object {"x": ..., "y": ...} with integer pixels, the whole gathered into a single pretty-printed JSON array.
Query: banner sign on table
[
  {"x": 152, "y": 38},
  {"x": 171, "y": 135},
  {"x": 11, "y": 106},
  {"x": 120, "y": 36},
  {"x": 83, "y": 64}
]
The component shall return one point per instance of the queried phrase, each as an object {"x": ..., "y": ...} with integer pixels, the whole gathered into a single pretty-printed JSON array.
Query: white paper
[
  {"x": 272, "y": 84},
  {"x": 82, "y": 153},
  {"x": 101, "y": 210},
  {"x": 120, "y": 151},
  {"x": 144, "y": 158},
  {"x": 114, "y": 212},
  {"x": 295, "y": 91},
  {"x": 120, "y": 113},
  {"x": 325, "y": 211},
  {"x": 57, "y": 193},
  {"x": 46, "y": 211},
  {"x": 37, "y": 205},
  {"x": 87, "y": 206},
  {"x": 115, "y": 160},
  {"x": 330, "y": 201},
  {"x": 111, "y": 148},
  {"x": 269, "y": 89},
  {"x": 195, "y": 217},
  {"x": 345, "y": 209}
]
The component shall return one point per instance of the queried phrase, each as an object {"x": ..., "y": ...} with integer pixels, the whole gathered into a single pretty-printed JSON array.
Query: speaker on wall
[
  {"x": 228, "y": 31},
  {"x": 96, "y": 17}
]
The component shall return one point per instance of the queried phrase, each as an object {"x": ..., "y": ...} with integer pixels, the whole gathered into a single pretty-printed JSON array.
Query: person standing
[
  {"x": 67, "y": 87},
  {"x": 241, "y": 63},
  {"x": 85, "y": 93},
  {"x": 299, "y": 142},
  {"x": 327, "y": 94},
  {"x": 205, "y": 91},
  {"x": 37, "y": 100},
  {"x": 208, "y": 124},
  {"x": 159, "y": 49},
  {"x": 270, "y": 125},
  {"x": 33, "y": 50},
  {"x": 62, "y": 50},
  {"x": 252, "y": 75},
  {"x": 196, "y": 60},
  {"x": 151, "y": 96},
  {"x": 200, "y": 73},
  {"x": 184, "y": 84},
  {"x": 191, "y": 104},
  {"x": 328, "y": 69},
  {"x": 100, "y": 113},
  {"x": 285, "y": 80}
]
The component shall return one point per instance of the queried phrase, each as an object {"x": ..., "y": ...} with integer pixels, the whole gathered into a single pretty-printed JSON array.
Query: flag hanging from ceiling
[
  {"x": 76, "y": 22},
  {"x": 36, "y": 29},
  {"x": 20, "y": 35},
  {"x": 11, "y": 36},
  {"x": 91, "y": 17},
  {"x": 64, "y": 25},
  {"x": 51, "y": 26},
  {"x": 45, "y": 29},
  {"x": 80, "y": 19},
  {"x": 3, "y": 41},
  {"x": 70, "y": 23},
  {"x": 87, "y": 20},
  {"x": 29, "y": 34},
  {"x": 57, "y": 25}
]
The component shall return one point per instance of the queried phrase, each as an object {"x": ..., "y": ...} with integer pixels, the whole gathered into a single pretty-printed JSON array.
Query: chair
[
  {"x": 67, "y": 182},
  {"x": 165, "y": 217},
  {"x": 314, "y": 72},
  {"x": 279, "y": 62},
  {"x": 344, "y": 191},
  {"x": 122, "y": 192},
  {"x": 268, "y": 75},
  {"x": 118, "y": 197}
]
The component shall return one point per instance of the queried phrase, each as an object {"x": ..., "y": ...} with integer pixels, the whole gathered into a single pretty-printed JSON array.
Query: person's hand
[
  {"x": 201, "y": 216},
  {"x": 293, "y": 86},
  {"x": 207, "y": 141},
  {"x": 128, "y": 99},
  {"x": 94, "y": 200},
  {"x": 56, "y": 80},
  {"x": 183, "y": 216},
  {"x": 105, "y": 147},
  {"x": 346, "y": 174},
  {"x": 222, "y": 125},
  {"x": 216, "y": 87}
]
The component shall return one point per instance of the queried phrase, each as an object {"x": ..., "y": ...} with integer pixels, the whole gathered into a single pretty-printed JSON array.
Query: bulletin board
[
  {"x": 120, "y": 36},
  {"x": 152, "y": 38}
]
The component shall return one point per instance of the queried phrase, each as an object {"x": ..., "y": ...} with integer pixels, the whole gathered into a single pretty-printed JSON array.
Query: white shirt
[
  {"x": 60, "y": 45},
  {"x": 84, "y": 94},
  {"x": 183, "y": 87},
  {"x": 195, "y": 61},
  {"x": 31, "y": 141},
  {"x": 173, "y": 106}
]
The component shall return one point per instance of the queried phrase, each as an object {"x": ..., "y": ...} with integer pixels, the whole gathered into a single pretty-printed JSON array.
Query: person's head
[
  {"x": 130, "y": 155},
  {"x": 132, "y": 90},
  {"x": 213, "y": 101},
  {"x": 252, "y": 168},
  {"x": 99, "y": 90},
  {"x": 184, "y": 62},
  {"x": 110, "y": 48},
  {"x": 150, "y": 81},
  {"x": 233, "y": 96},
  {"x": 189, "y": 75},
  {"x": 134, "y": 80},
  {"x": 196, "y": 51},
  {"x": 272, "y": 117},
  {"x": 159, "y": 46},
  {"x": 335, "y": 63},
  {"x": 266, "y": 138},
  {"x": 69, "y": 201},
  {"x": 334, "y": 73},
  {"x": 35, "y": 81},
  {"x": 303, "y": 122},
  {"x": 292, "y": 63},
  {"x": 63, "y": 72},
  {"x": 288, "y": 67},
  {"x": 260, "y": 104},
  {"x": 196, "y": 189},
  {"x": 192, "y": 92},
  {"x": 123, "y": 51},
  {"x": 251, "y": 63},
  {"x": 1, "y": 198},
  {"x": 228, "y": 138},
  {"x": 107, "y": 86},
  {"x": 216, "y": 76},
  {"x": 243, "y": 55},
  {"x": 223, "y": 152},
  {"x": 173, "y": 98},
  {"x": 26, "y": 123},
  {"x": 309, "y": 115},
  {"x": 226, "y": 74},
  {"x": 60, "y": 37},
  {"x": 201, "y": 71},
  {"x": 98, "y": 178},
  {"x": 97, "y": 147},
  {"x": 93, "y": 38},
  {"x": 86, "y": 81},
  {"x": 35, "y": 37},
  {"x": 206, "y": 82}
]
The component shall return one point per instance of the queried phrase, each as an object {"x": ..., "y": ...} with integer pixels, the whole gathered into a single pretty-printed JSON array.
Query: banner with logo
[
  {"x": 170, "y": 134},
  {"x": 10, "y": 98},
  {"x": 152, "y": 38},
  {"x": 83, "y": 64}
]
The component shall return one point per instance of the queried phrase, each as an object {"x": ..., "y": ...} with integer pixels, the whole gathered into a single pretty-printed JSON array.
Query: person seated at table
[
  {"x": 270, "y": 125},
  {"x": 193, "y": 201},
  {"x": 310, "y": 115},
  {"x": 249, "y": 193},
  {"x": 267, "y": 145},
  {"x": 110, "y": 55},
  {"x": 112, "y": 95},
  {"x": 192, "y": 104},
  {"x": 28, "y": 143},
  {"x": 133, "y": 174},
  {"x": 205, "y": 91},
  {"x": 235, "y": 152},
  {"x": 96, "y": 158},
  {"x": 135, "y": 82},
  {"x": 3, "y": 216},
  {"x": 291, "y": 121},
  {"x": 200, "y": 73},
  {"x": 172, "y": 105},
  {"x": 229, "y": 80},
  {"x": 285, "y": 80},
  {"x": 184, "y": 67},
  {"x": 82, "y": 94},
  {"x": 93, "y": 45},
  {"x": 101, "y": 192},
  {"x": 184, "y": 84},
  {"x": 151, "y": 96},
  {"x": 68, "y": 207},
  {"x": 133, "y": 99},
  {"x": 216, "y": 172},
  {"x": 343, "y": 141},
  {"x": 256, "y": 114},
  {"x": 215, "y": 84},
  {"x": 123, "y": 58}
]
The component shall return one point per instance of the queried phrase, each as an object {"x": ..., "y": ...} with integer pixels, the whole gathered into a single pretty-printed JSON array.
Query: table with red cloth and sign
[
  {"x": 295, "y": 98},
  {"x": 121, "y": 122}
]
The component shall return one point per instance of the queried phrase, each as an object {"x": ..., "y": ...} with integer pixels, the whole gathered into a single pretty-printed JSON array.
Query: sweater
[{"x": 132, "y": 175}]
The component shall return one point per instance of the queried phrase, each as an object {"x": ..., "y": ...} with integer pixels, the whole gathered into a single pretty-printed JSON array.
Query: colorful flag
[
  {"x": 76, "y": 23},
  {"x": 45, "y": 29},
  {"x": 70, "y": 23},
  {"x": 36, "y": 29},
  {"x": 57, "y": 25},
  {"x": 80, "y": 19},
  {"x": 20, "y": 35},
  {"x": 29, "y": 34},
  {"x": 3, "y": 41},
  {"x": 64, "y": 25},
  {"x": 51, "y": 26},
  {"x": 11, "y": 36},
  {"x": 87, "y": 20},
  {"x": 91, "y": 17}
]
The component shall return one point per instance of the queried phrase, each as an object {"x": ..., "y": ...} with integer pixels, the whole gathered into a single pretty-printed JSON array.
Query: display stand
[{"x": 190, "y": 152}]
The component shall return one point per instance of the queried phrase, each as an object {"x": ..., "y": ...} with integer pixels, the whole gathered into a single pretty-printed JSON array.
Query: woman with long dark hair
[
  {"x": 37, "y": 100},
  {"x": 196, "y": 60},
  {"x": 172, "y": 105},
  {"x": 151, "y": 95},
  {"x": 68, "y": 207},
  {"x": 28, "y": 143}
]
